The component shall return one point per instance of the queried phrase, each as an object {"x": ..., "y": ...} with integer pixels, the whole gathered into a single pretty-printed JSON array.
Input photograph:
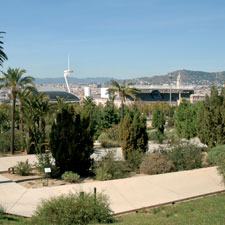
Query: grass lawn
[
  {"x": 203, "y": 211},
  {"x": 9, "y": 219}
]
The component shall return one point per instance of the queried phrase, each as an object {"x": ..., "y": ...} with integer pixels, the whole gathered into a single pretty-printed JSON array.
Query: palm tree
[
  {"x": 3, "y": 56},
  {"x": 23, "y": 95},
  {"x": 123, "y": 91},
  {"x": 36, "y": 111},
  {"x": 88, "y": 101},
  {"x": 13, "y": 80}
]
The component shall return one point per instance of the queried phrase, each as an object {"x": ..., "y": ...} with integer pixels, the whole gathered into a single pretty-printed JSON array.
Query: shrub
[
  {"x": 108, "y": 168},
  {"x": 45, "y": 160},
  {"x": 215, "y": 154},
  {"x": 2, "y": 211},
  {"x": 156, "y": 163},
  {"x": 221, "y": 167},
  {"x": 73, "y": 209},
  {"x": 23, "y": 168},
  {"x": 184, "y": 156},
  {"x": 110, "y": 137},
  {"x": 71, "y": 177},
  {"x": 157, "y": 137},
  {"x": 5, "y": 139},
  {"x": 134, "y": 161}
]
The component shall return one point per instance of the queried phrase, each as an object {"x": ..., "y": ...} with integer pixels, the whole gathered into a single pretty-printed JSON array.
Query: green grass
[
  {"x": 203, "y": 211},
  {"x": 6, "y": 219}
]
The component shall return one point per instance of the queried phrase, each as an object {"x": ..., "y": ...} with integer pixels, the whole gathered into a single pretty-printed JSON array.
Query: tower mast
[{"x": 67, "y": 73}]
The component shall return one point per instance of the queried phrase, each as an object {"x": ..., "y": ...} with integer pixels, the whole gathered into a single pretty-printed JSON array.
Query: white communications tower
[{"x": 66, "y": 73}]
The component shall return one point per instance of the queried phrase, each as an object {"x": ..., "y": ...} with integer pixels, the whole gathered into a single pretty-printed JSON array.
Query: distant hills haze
[{"x": 187, "y": 76}]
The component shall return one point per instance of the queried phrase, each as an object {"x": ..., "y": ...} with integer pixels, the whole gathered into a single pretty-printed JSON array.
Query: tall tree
[
  {"x": 23, "y": 95},
  {"x": 185, "y": 119},
  {"x": 133, "y": 134},
  {"x": 36, "y": 110},
  {"x": 210, "y": 121},
  {"x": 3, "y": 56},
  {"x": 14, "y": 80},
  {"x": 110, "y": 115},
  {"x": 71, "y": 141},
  {"x": 158, "y": 120},
  {"x": 123, "y": 91}
]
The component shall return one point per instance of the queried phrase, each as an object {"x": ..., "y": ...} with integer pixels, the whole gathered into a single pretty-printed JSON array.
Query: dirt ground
[{"x": 36, "y": 181}]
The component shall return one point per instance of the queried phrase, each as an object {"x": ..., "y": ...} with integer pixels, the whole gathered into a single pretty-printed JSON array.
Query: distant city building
[
  {"x": 194, "y": 98},
  {"x": 87, "y": 91},
  {"x": 104, "y": 93},
  {"x": 68, "y": 97}
]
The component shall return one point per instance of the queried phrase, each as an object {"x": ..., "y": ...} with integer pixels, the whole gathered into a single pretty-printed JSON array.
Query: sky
[{"x": 113, "y": 38}]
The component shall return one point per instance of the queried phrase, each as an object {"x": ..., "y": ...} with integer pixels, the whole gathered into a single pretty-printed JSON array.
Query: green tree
[
  {"x": 14, "y": 80},
  {"x": 133, "y": 134},
  {"x": 110, "y": 115},
  {"x": 210, "y": 121},
  {"x": 5, "y": 111},
  {"x": 185, "y": 119},
  {"x": 123, "y": 91},
  {"x": 158, "y": 120},
  {"x": 36, "y": 108},
  {"x": 3, "y": 56},
  {"x": 71, "y": 141},
  {"x": 23, "y": 95}
]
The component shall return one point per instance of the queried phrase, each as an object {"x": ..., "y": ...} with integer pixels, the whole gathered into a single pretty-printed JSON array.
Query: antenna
[
  {"x": 67, "y": 73},
  {"x": 68, "y": 62}
]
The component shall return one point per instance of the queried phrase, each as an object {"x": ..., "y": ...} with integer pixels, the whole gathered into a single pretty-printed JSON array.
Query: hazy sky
[{"x": 114, "y": 38}]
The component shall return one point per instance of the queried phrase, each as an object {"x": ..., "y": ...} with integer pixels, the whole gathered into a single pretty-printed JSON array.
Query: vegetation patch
[
  {"x": 79, "y": 208},
  {"x": 23, "y": 168}
]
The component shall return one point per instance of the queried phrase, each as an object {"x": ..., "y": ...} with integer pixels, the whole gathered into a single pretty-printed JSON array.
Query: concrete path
[
  {"x": 10, "y": 161},
  {"x": 124, "y": 194}
]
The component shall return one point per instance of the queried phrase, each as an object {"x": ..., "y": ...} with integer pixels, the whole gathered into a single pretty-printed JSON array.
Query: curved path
[{"x": 124, "y": 194}]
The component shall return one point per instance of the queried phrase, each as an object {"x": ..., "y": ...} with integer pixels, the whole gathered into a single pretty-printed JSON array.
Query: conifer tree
[
  {"x": 185, "y": 119},
  {"x": 158, "y": 120},
  {"x": 110, "y": 115},
  {"x": 133, "y": 134},
  {"x": 210, "y": 121},
  {"x": 71, "y": 142}
]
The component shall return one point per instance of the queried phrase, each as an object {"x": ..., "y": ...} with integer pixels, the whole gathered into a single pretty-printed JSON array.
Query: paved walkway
[{"x": 124, "y": 194}]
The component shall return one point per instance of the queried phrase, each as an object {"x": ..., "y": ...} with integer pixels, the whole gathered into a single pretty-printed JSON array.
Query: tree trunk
[{"x": 13, "y": 122}]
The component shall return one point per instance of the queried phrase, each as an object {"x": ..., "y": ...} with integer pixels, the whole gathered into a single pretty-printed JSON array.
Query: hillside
[{"x": 187, "y": 76}]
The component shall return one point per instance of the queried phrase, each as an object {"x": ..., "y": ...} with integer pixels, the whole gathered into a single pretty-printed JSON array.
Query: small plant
[
  {"x": 5, "y": 141},
  {"x": 157, "y": 137},
  {"x": 110, "y": 137},
  {"x": 45, "y": 160},
  {"x": 109, "y": 168},
  {"x": 79, "y": 208},
  {"x": 184, "y": 156},
  {"x": 156, "y": 163},
  {"x": 101, "y": 173},
  {"x": 134, "y": 160},
  {"x": 2, "y": 211},
  {"x": 221, "y": 167},
  {"x": 23, "y": 168},
  {"x": 215, "y": 154},
  {"x": 71, "y": 177}
]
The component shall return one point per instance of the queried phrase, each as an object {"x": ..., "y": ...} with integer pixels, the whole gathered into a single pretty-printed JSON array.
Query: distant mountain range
[{"x": 187, "y": 77}]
